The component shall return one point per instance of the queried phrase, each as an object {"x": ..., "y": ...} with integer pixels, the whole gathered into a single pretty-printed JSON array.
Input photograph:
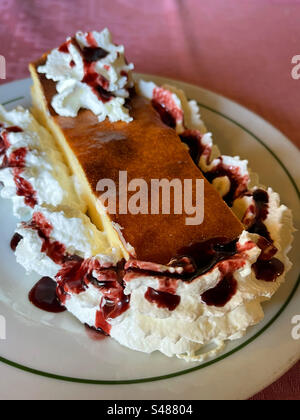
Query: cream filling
[
  {"x": 44, "y": 167},
  {"x": 71, "y": 228}
]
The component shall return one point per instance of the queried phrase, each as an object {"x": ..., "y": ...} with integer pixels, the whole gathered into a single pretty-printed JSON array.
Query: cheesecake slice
[{"x": 147, "y": 149}]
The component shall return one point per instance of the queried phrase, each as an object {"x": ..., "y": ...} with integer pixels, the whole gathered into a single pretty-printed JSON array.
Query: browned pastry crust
[{"x": 146, "y": 148}]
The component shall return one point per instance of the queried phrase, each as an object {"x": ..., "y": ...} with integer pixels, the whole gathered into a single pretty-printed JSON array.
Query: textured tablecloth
[{"x": 241, "y": 49}]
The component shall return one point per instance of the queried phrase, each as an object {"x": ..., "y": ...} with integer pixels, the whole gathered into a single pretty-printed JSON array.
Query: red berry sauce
[
  {"x": 16, "y": 239},
  {"x": 17, "y": 161},
  {"x": 162, "y": 299},
  {"x": 43, "y": 296}
]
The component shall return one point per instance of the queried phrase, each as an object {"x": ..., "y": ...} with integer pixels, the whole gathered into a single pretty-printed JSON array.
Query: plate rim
[{"x": 233, "y": 351}]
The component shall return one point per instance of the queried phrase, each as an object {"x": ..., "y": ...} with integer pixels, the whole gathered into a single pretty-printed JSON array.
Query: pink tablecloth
[{"x": 242, "y": 50}]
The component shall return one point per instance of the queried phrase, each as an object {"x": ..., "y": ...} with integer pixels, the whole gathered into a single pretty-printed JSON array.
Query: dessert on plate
[{"x": 150, "y": 281}]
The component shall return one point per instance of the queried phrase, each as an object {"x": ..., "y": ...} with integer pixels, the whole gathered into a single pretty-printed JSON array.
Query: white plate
[{"x": 50, "y": 356}]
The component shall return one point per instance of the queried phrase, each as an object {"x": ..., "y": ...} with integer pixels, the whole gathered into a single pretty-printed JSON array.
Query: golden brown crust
[{"x": 147, "y": 149}]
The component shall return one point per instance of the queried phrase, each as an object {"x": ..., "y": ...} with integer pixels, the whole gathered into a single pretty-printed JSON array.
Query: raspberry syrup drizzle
[
  {"x": 90, "y": 55},
  {"x": 254, "y": 219},
  {"x": 220, "y": 295},
  {"x": 227, "y": 257},
  {"x": 196, "y": 260},
  {"x": 227, "y": 286},
  {"x": 260, "y": 210},
  {"x": 75, "y": 276},
  {"x": 16, "y": 239},
  {"x": 238, "y": 182},
  {"x": 53, "y": 249},
  {"x": 76, "y": 273},
  {"x": 64, "y": 48},
  {"x": 193, "y": 139},
  {"x": 162, "y": 299},
  {"x": 165, "y": 295},
  {"x": 164, "y": 103},
  {"x": 267, "y": 267},
  {"x": 113, "y": 304},
  {"x": 90, "y": 39},
  {"x": 17, "y": 162},
  {"x": 43, "y": 296}
]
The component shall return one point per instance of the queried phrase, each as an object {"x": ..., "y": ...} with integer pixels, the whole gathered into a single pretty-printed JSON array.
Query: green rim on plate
[{"x": 204, "y": 365}]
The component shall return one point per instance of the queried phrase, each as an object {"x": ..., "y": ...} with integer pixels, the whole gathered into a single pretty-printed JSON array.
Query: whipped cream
[
  {"x": 194, "y": 325},
  {"x": 175, "y": 102},
  {"x": 185, "y": 113},
  {"x": 195, "y": 329},
  {"x": 70, "y": 228},
  {"x": 43, "y": 170},
  {"x": 90, "y": 72}
]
